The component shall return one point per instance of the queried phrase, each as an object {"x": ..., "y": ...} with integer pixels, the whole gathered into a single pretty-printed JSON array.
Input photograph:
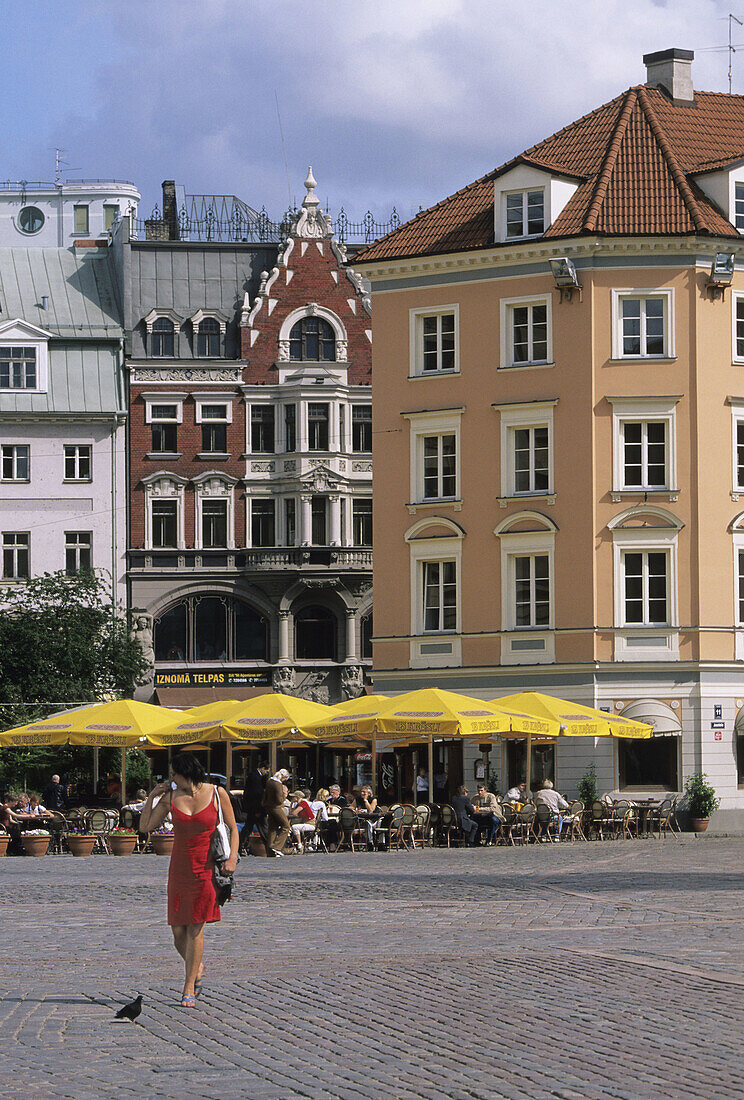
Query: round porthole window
[{"x": 30, "y": 219}]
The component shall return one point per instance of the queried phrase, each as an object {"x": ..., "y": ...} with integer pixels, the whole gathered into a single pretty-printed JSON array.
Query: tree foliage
[{"x": 63, "y": 642}]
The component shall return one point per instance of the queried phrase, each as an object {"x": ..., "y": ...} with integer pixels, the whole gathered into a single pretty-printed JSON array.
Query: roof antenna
[
  {"x": 731, "y": 48},
  {"x": 284, "y": 151}
]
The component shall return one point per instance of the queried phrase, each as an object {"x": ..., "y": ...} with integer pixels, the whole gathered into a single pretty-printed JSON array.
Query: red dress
[{"x": 192, "y": 896}]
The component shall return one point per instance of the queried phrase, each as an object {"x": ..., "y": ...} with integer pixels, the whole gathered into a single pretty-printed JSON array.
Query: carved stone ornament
[
  {"x": 142, "y": 633},
  {"x": 352, "y": 681},
  {"x": 290, "y": 465},
  {"x": 283, "y": 679},
  {"x": 361, "y": 467},
  {"x": 312, "y": 223},
  {"x": 262, "y": 467},
  {"x": 146, "y": 375},
  {"x": 320, "y": 480},
  {"x": 283, "y": 356}
]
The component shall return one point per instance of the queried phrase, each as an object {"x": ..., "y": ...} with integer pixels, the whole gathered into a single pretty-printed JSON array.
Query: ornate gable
[{"x": 310, "y": 279}]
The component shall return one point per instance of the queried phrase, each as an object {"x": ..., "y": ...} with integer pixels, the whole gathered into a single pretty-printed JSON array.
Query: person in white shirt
[
  {"x": 518, "y": 793},
  {"x": 554, "y": 801},
  {"x": 422, "y": 786}
]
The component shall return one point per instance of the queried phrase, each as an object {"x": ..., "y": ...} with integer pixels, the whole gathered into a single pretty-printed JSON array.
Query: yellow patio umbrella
[
  {"x": 574, "y": 720},
  {"x": 122, "y": 723}
]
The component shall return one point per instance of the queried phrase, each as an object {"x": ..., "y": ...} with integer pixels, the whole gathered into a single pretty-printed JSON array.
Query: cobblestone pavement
[{"x": 590, "y": 970}]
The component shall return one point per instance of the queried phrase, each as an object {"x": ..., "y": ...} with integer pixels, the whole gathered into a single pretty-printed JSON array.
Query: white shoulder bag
[{"x": 220, "y": 842}]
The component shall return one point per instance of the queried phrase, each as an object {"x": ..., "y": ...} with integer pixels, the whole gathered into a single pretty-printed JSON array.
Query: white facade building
[{"x": 55, "y": 215}]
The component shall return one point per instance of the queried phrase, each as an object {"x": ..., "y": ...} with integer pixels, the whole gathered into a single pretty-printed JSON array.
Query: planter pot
[
  {"x": 256, "y": 846},
  {"x": 122, "y": 845},
  {"x": 80, "y": 845},
  {"x": 162, "y": 845},
  {"x": 4, "y": 842},
  {"x": 699, "y": 824},
  {"x": 35, "y": 845}
]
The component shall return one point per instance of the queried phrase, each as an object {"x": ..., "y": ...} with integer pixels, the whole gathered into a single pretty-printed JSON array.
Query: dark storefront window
[
  {"x": 316, "y": 632},
  {"x": 211, "y": 628},
  {"x": 650, "y": 763}
]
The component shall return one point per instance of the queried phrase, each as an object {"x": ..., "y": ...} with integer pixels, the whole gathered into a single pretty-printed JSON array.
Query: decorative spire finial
[
  {"x": 311, "y": 222},
  {"x": 310, "y": 198}
]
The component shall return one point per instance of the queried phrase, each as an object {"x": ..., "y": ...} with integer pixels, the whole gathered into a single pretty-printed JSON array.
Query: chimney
[
  {"x": 170, "y": 212},
  {"x": 671, "y": 72}
]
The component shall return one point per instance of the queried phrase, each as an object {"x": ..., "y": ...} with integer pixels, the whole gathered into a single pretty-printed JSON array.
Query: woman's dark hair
[{"x": 187, "y": 765}]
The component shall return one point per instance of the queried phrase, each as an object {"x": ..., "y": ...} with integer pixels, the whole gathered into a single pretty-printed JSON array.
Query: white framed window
[
  {"x": 434, "y": 341},
  {"x": 78, "y": 462},
  {"x": 644, "y": 444},
  {"x": 163, "y": 330},
  {"x": 737, "y": 529},
  {"x": 78, "y": 551},
  {"x": 81, "y": 220},
  {"x": 164, "y": 512},
  {"x": 524, "y": 213},
  {"x": 737, "y": 318},
  {"x": 645, "y": 584},
  {"x": 208, "y": 328},
  {"x": 16, "y": 551},
  {"x": 642, "y": 324},
  {"x": 737, "y": 445},
  {"x": 739, "y": 206},
  {"x": 24, "y": 357},
  {"x": 110, "y": 214},
  {"x": 215, "y": 511},
  {"x": 15, "y": 462},
  {"x": 527, "y": 588},
  {"x": 214, "y": 413},
  {"x": 527, "y": 448},
  {"x": 361, "y": 429},
  {"x": 262, "y": 429},
  {"x": 436, "y": 586},
  {"x": 263, "y": 521},
  {"x": 435, "y": 455},
  {"x": 526, "y": 331}
]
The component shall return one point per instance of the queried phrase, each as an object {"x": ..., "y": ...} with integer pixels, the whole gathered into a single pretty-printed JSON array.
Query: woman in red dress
[{"x": 192, "y": 896}]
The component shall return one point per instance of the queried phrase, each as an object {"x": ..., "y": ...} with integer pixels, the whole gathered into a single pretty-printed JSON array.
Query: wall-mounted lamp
[
  {"x": 565, "y": 277},
  {"x": 721, "y": 274}
]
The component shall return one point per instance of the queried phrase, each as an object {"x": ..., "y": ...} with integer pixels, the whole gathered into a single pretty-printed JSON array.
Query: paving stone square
[{"x": 602, "y": 970}]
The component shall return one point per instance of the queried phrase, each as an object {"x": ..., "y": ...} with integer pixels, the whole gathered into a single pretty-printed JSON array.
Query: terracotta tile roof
[{"x": 633, "y": 159}]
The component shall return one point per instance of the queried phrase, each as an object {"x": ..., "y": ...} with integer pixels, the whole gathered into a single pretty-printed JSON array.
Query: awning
[
  {"x": 183, "y": 698},
  {"x": 657, "y": 714}
]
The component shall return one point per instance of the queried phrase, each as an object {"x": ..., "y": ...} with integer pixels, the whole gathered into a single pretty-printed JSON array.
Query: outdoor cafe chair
[
  {"x": 666, "y": 816},
  {"x": 101, "y": 823},
  {"x": 409, "y": 822},
  {"x": 525, "y": 823},
  {"x": 420, "y": 827},
  {"x": 619, "y": 818},
  {"x": 545, "y": 824},
  {"x": 573, "y": 821},
  {"x": 447, "y": 824},
  {"x": 351, "y": 828},
  {"x": 509, "y": 822},
  {"x": 394, "y": 829},
  {"x": 57, "y": 826},
  {"x": 673, "y": 822},
  {"x": 435, "y": 816},
  {"x": 598, "y": 818}
]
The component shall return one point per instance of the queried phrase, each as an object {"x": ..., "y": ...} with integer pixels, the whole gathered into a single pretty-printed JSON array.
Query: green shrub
[
  {"x": 701, "y": 797},
  {"x": 588, "y": 785}
]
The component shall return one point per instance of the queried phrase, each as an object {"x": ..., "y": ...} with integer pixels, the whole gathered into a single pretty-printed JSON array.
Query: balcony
[{"x": 266, "y": 559}]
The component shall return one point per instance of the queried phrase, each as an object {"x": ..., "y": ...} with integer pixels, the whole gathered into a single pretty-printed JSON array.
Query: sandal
[
  {"x": 198, "y": 984},
  {"x": 188, "y": 1000}
]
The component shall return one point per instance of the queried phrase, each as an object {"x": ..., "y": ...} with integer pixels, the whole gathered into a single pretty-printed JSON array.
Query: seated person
[
  {"x": 137, "y": 802},
  {"x": 366, "y": 802},
  {"x": 302, "y": 816},
  {"x": 464, "y": 809},
  {"x": 331, "y": 830},
  {"x": 488, "y": 812},
  {"x": 337, "y": 799},
  {"x": 10, "y": 821},
  {"x": 35, "y": 807},
  {"x": 546, "y": 796},
  {"x": 518, "y": 793},
  {"x": 20, "y": 808}
]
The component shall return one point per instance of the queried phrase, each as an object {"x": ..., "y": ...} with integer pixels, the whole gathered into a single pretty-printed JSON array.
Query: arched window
[
  {"x": 316, "y": 634},
  {"x": 171, "y": 634},
  {"x": 212, "y": 629},
  {"x": 312, "y": 338},
  {"x": 367, "y": 631},
  {"x": 250, "y": 635},
  {"x": 208, "y": 339},
  {"x": 163, "y": 338}
]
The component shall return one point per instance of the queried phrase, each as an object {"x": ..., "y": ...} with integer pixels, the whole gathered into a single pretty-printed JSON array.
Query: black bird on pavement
[{"x": 130, "y": 1011}]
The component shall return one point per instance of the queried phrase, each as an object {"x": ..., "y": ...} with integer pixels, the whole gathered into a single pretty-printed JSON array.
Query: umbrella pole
[
  {"x": 431, "y": 769},
  {"x": 272, "y": 752},
  {"x": 123, "y": 776},
  {"x": 374, "y": 763},
  {"x": 228, "y": 762},
  {"x": 528, "y": 766},
  {"x": 96, "y": 763}
]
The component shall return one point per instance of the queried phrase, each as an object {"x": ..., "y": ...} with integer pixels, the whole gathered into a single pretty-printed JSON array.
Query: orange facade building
[{"x": 558, "y": 432}]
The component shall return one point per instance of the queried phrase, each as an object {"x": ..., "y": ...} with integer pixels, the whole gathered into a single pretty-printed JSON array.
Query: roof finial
[{"x": 311, "y": 199}]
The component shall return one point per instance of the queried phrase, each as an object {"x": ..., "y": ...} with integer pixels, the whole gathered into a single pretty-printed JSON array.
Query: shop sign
[
  {"x": 226, "y": 677},
  {"x": 718, "y": 725},
  {"x": 363, "y": 758}
]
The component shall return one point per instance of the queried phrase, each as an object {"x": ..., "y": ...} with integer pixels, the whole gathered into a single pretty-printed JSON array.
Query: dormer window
[
  {"x": 313, "y": 339},
  {"x": 739, "y": 206},
  {"x": 163, "y": 338},
  {"x": 525, "y": 213},
  {"x": 17, "y": 368},
  {"x": 208, "y": 339},
  {"x": 24, "y": 357}
]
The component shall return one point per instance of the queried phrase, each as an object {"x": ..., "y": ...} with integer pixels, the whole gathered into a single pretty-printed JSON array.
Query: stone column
[
  {"x": 284, "y": 637},
  {"x": 351, "y": 641},
  {"x": 306, "y": 520},
  {"x": 335, "y": 506}
]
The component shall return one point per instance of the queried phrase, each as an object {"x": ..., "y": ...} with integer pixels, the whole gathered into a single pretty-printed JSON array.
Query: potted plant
[
  {"x": 36, "y": 841},
  {"x": 162, "y": 841},
  {"x": 122, "y": 841},
  {"x": 80, "y": 841},
  {"x": 701, "y": 801},
  {"x": 4, "y": 841}
]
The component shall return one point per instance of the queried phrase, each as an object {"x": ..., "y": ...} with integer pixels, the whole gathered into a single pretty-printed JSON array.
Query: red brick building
[{"x": 250, "y": 460}]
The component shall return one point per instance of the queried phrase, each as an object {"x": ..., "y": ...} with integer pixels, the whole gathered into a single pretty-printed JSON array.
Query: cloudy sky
[{"x": 393, "y": 102}]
